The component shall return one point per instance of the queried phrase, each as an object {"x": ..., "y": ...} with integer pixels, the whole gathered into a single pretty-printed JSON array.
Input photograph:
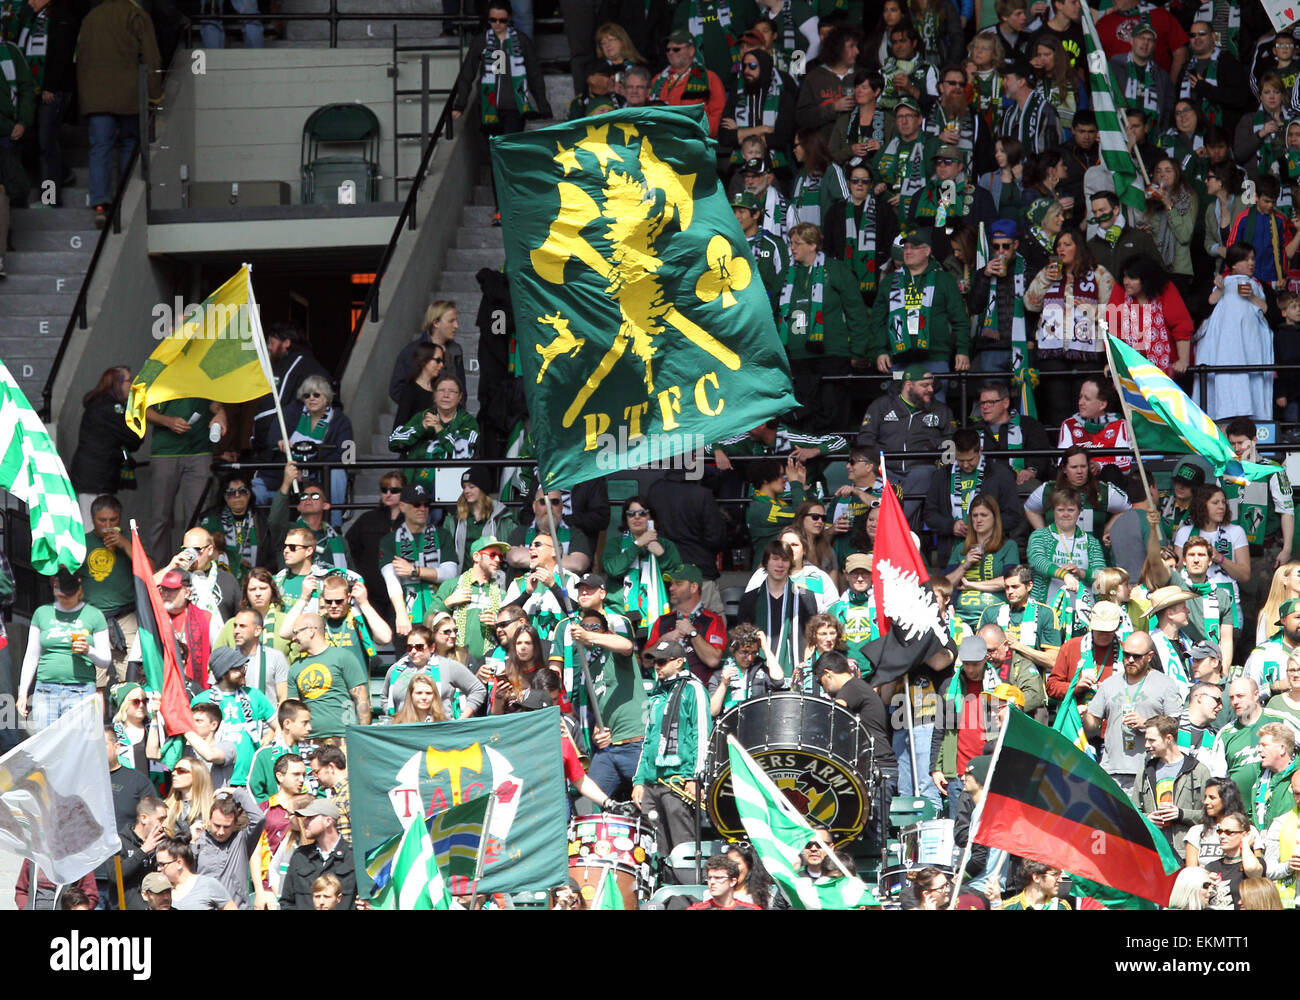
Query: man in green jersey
[
  {"x": 248, "y": 719},
  {"x": 108, "y": 583},
  {"x": 1238, "y": 741},
  {"x": 1266, "y": 665},
  {"x": 1265, "y": 510},
  {"x": 329, "y": 680},
  {"x": 1030, "y": 625}
]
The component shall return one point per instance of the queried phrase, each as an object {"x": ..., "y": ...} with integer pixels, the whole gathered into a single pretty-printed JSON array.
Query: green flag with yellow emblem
[
  {"x": 216, "y": 353},
  {"x": 643, "y": 326}
]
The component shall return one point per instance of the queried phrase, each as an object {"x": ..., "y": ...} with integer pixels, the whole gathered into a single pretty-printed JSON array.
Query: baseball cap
[
  {"x": 534, "y": 699},
  {"x": 916, "y": 372},
  {"x": 600, "y": 67},
  {"x": 681, "y": 37},
  {"x": 688, "y": 572},
  {"x": 744, "y": 199},
  {"x": 1189, "y": 473},
  {"x": 754, "y": 165},
  {"x": 488, "y": 542},
  {"x": 1106, "y": 617},
  {"x": 174, "y": 579},
  {"x": 907, "y": 102},
  {"x": 1204, "y": 650},
  {"x": 857, "y": 561},
  {"x": 320, "y": 807},
  {"x": 1144, "y": 27},
  {"x": 155, "y": 882},
  {"x": 120, "y": 692},
  {"x": 947, "y": 152},
  {"x": 1005, "y": 228},
  {"x": 668, "y": 649},
  {"x": 1288, "y": 607},
  {"x": 920, "y": 237},
  {"x": 415, "y": 493},
  {"x": 593, "y": 580}
]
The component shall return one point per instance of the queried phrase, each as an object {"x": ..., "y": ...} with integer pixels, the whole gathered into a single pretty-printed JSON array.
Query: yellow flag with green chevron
[
  {"x": 217, "y": 353},
  {"x": 1164, "y": 418}
]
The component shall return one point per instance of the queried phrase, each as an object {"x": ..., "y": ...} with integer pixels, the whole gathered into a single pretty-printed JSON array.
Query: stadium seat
[
  {"x": 340, "y": 125},
  {"x": 905, "y": 810},
  {"x": 664, "y": 893}
]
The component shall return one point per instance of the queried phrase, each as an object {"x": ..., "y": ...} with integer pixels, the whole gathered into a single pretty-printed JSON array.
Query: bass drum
[
  {"x": 818, "y": 753},
  {"x": 602, "y": 841}
]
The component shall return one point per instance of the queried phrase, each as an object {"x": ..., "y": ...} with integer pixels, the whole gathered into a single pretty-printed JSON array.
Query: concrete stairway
[{"x": 51, "y": 249}]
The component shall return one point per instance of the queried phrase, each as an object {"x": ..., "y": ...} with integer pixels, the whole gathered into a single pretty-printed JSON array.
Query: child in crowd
[{"x": 1286, "y": 351}]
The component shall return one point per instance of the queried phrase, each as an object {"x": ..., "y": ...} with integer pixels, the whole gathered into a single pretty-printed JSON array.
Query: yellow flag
[{"x": 217, "y": 353}]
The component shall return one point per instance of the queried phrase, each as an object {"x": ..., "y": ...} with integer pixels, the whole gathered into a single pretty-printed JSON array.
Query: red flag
[
  {"x": 894, "y": 549},
  {"x": 162, "y": 669}
]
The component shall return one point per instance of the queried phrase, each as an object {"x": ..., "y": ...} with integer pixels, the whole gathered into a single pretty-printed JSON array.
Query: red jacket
[
  {"x": 670, "y": 91},
  {"x": 1067, "y": 662}
]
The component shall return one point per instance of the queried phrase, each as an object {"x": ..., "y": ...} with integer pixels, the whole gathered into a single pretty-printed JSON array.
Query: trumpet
[{"x": 677, "y": 785}]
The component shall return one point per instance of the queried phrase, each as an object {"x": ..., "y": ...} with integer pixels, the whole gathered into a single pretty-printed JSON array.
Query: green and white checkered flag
[
  {"x": 779, "y": 833},
  {"x": 417, "y": 882},
  {"x": 1108, "y": 107},
  {"x": 33, "y": 472}
]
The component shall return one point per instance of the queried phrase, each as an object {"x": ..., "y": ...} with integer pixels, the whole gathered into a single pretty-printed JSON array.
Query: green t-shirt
[
  {"x": 195, "y": 441},
  {"x": 107, "y": 581},
  {"x": 970, "y": 603},
  {"x": 856, "y": 613},
  {"x": 241, "y": 724},
  {"x": 1240, "y": 746},
  {"x": 615, "y": 680},
  {"x": 348, "y": 637},
  {"x": 323, "y": 682},
  {"x": 1043, "y": 632},
  {"x": 58, "y": 664}
]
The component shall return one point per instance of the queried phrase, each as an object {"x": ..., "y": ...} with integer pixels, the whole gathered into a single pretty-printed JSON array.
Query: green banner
[
  {"x": 644, "y": 329},
  {"x": 397, "y": 772}
]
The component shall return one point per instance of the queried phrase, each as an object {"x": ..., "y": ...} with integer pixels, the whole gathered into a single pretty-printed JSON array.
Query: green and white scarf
[
  {"x": 645, "y": 597},
  {"x": 241, "y": 539},
  {"x": 909, "y": 305},
  {"x": 306, "y": 432},
  {"x": 959, "y": 499},
  {"x": 1025, "y": 124},
  {"x": 1140, "y": 90},
  {"x": 805, "y": 200},
  {"x": 788, "y": 635},
  {"x": 988, "y": 98},
  {"x": 695, "y": 25},
  {"x": 1226, "y": 18},
  {"x": 796, "y": 321},
  {"x": 1019, "y": 336},
  {"x": 490, "y": 84},
  {"x": 856, "y": 133},
  {"x": 1014, "y": 440},
  {"x": 753, "y": 110},
  {"x": 1272, "y": 151},
  {"x": 1210, "y": 70},
  {"x": 10, "y": 73},
  {"x": 328, "y": 540},
  {"x": 1064, "y": 606},
  {"x": 1028, "y": 623},
  {"x": 424, "y": 553},
  {"x": 1171, "y": 661},
  {"x": 860, "y": 243},
  {"x": 890, "y": 96}
]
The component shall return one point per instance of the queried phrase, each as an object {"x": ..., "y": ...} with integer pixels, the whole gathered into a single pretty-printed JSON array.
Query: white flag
[{"x": 56, "y": 806}]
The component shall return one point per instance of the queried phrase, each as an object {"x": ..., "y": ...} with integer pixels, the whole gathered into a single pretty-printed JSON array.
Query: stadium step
[{"x": 51, "y": 249}]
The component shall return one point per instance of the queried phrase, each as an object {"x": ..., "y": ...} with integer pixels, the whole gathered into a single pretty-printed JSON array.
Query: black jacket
[
  {"x": 289, "y": 373},
  {"x": 688, "y": 515},
  {"x": 471, "y": 71},
  {"x": 501, "y": 402},
  {"x": 454, "y": 361},
  {"x": 96, "y": 465},
  {"x": 60, "y": 69},
  {"x": 363, "y": 539},
  {"x": 307, "y": 865},
  {"x": 1035, "y": 439}
]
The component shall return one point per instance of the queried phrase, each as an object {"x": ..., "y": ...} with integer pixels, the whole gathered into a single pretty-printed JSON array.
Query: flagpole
[
  {"x": 911, "y": 732},
  {"x": 264, "y": 357},
  {"x": 1128, "y": 418},
  {"x": 977, "y": 815},
  {"x": 482, "y": 851}
]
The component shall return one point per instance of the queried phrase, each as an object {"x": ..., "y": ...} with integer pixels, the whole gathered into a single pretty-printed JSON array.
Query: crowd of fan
[{"x": 1062, "y": 575}]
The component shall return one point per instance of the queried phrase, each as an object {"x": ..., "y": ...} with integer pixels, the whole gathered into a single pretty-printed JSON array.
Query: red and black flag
[
  {"x": 912, "y": 631},
  {"x": 162, "y": 669},
  {"x": 1047, "y": 800}
]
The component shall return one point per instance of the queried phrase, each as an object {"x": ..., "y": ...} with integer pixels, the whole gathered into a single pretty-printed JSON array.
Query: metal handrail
[
  {"x": 334, "y": 16},
  {"x": 406, "y": 218}
]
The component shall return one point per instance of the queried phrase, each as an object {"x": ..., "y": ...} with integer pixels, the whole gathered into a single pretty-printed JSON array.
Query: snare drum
[
  {"x": 627, "y": 844},
  {"x": 929, "y": 843},
  {"x": 818, "y": 753}
]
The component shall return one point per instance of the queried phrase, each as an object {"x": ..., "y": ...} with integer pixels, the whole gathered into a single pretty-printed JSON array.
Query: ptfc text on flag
[{"x": 643, "y": 326}]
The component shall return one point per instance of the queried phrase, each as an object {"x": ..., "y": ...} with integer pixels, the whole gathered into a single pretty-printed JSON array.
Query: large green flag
[
  {"x": 1163, "y": 417},
  {"x": 779, "y": 833},
  {"x": 643, "y": 327},
  {"x": 419, "y": 770},
  {"x": 32, "y": 471},
  {"x": 1112, "y": 135}
]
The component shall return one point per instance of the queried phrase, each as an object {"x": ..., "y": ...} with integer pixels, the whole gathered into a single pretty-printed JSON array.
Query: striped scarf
[
  {"x": 909, "y": 305},
  {"x": 1208, "y": 68},
  {"x": 1140, "y": 90},
  {"x": 695, "y": 25},
  {"x": 1025, "y": 124},
  {"x": 860, "y": 243},
  {"x": 795, "y": 311},
  {"x": 489, "y": 83},
  {"x": 645, "y": 597},
  {"x": 696, "y": 90}
]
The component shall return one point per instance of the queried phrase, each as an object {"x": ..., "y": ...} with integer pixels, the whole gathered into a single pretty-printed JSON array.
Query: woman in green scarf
[
  {"x": 319, "y": 430},
  {"x": 635, "y": 562},
  {"x": 444, "y": 432}
]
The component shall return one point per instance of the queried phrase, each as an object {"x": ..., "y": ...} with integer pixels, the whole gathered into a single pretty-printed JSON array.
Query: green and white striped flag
[
  {"x": 608, "y": 896},
  {"x": 417, "y": 882},
  {"x": 1109, "y": 107},
  {"x": 779, "y": 833},
  {"x": 33, "y": 472}
]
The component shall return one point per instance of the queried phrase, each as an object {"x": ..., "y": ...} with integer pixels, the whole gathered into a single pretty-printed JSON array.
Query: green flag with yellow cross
[{"x": 643, "y": 328}]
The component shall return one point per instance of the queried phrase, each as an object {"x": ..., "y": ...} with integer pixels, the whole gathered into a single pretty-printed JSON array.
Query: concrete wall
[
  {"x": 404, "y": 292},
  {"x": 241, "y": 118}
]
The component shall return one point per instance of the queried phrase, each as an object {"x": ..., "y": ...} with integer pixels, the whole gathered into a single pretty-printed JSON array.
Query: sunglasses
[
  {"x": 637, "y": 513},
  {"x": 294, "y": 547},
  {"x": 1199, "y": 34},
  {"x": 332, "y": 601},
  {"x": 502, "y": 626},
  {"x": 676, "y": 48},
  {"x": 237, "y": 491},
  {"x": 419, "y": 647},
  {"x": 1224, "y": 831},
  {"x": 446, "y": 631},
  {"x": 1002, "y": 246},
  {"x": 313, "y": 395},
  {"x": 390, "y": 489},
  {"x": 181, "y": 770},
  {"x": 498, "y": 20},
  {"x": 750, "y": 65},
  {"x": 816, "y": 517},
  {"x": 859, "y": 180},
  {"x": 558, "y": 503}
]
